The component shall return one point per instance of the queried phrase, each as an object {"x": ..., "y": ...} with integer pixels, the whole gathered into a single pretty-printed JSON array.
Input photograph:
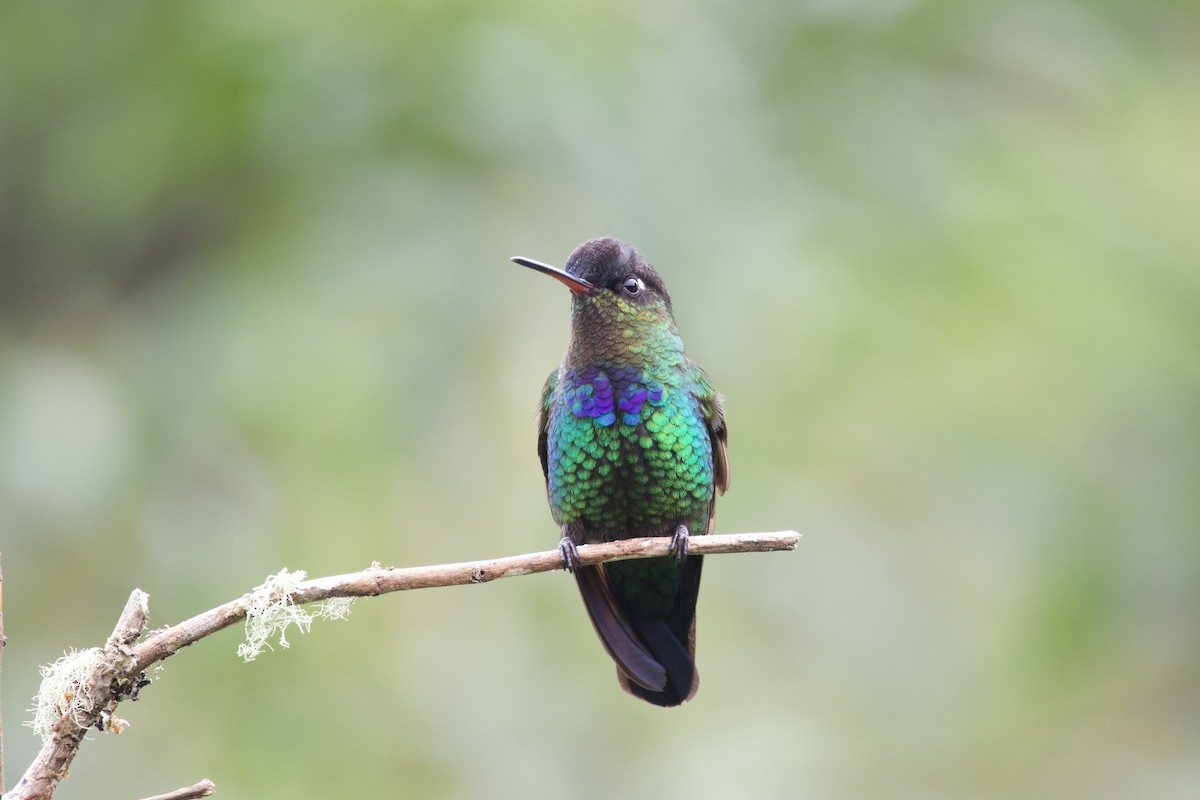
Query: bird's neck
[{"x": 599, "y": 336}]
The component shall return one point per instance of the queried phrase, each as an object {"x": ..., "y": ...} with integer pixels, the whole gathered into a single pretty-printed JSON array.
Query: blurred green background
[{"x": 942, "y": 257}]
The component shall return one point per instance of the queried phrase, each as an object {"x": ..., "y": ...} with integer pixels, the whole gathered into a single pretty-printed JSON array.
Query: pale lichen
[
  {"x": 334, "y": 608},
  {"x": 270, "y": 612},
  {"x": 66, "y": 691}
]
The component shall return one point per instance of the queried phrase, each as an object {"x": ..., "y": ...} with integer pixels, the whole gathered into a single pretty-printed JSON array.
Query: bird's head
[{"x": 619, "y": 303}]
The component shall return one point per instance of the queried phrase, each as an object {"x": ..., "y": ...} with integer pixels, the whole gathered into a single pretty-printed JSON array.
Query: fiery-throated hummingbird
[{"x": 631, "y": 435}]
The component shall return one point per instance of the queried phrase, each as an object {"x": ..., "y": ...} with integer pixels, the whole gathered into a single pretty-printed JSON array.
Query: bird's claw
[
  {"x": 569, "y": 554},
  {"x": 679, "y": 543}
]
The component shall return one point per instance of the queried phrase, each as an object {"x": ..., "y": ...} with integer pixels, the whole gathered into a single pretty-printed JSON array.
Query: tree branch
[
  {"x": 384, "y": 580},
  {"x": 112, "y": 678},
  {"x": 202, "y": 789},
  {"x": 120, "y": 667}
]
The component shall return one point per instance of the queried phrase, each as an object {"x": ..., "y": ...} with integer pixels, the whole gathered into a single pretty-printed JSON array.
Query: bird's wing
[
  {"x": 712, "y": 407},
  {"x": 544, "y": 422}
]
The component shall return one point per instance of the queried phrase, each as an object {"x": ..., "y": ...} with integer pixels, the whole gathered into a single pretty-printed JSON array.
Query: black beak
[{"x": 576, "y": 285}]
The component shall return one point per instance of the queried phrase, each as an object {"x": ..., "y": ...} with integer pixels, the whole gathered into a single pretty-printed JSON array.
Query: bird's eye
[{"x": 633, "y": 285}]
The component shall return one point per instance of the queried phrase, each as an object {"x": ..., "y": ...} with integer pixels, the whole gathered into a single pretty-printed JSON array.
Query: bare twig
[
  {"x": 202, "y": 789},
  {"x": 383, "y": 580},
  {"x": 120, "y": 671}
]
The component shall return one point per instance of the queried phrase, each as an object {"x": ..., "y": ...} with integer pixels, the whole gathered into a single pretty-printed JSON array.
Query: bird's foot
[
  {"x": 679, "y": 543},
  {"x": 569, "y": 553}
]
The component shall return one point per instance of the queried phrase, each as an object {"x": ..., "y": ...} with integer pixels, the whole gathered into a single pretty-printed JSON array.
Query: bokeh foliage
[{"x": 943, "y": 258}]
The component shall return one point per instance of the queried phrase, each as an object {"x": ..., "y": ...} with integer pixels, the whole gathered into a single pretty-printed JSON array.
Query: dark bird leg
[
  {"x": 679, "y": 543},
  {"x": 568, "y": 550}
]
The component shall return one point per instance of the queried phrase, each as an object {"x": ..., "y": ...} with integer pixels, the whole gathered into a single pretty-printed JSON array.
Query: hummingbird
[{"x": 631, "y": 436}]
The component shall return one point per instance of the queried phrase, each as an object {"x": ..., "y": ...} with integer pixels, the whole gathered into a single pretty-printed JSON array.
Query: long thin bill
[{"x": 576, "y": 285}]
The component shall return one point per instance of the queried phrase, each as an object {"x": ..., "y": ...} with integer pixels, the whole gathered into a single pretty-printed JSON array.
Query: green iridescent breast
[{"x": 627, "y": 453}]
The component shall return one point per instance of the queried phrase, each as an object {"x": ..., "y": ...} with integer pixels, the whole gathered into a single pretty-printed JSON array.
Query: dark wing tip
[{"x": 614, "y": 630}]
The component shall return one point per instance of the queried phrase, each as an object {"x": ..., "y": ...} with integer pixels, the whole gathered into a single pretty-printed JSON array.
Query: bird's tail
[{"x": 655, "y": 657}]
